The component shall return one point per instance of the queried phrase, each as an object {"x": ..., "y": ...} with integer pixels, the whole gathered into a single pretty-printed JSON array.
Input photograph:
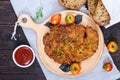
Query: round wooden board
[{"x": 86, "y": 65}]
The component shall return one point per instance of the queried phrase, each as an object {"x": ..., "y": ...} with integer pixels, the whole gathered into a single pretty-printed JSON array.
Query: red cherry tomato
[
  {"x": 107, "y": 66},
  {"x": 55, "y": 19}
]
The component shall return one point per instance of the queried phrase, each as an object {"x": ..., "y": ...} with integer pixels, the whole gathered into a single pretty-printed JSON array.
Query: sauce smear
[{"x": 24, "y": 56}]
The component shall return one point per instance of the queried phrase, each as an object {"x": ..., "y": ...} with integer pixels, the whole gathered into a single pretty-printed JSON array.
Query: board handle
[{"x": 26, "y": 21}]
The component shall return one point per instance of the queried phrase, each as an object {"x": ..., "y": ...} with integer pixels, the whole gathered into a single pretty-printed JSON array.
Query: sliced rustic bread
[
  {"x": 92, "y": 4},
  {"x": 101, "y": 15},
  {"x": 72, "y": 4}
]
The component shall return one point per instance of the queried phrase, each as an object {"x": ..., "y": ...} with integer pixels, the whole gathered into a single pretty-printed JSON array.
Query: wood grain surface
[
  {"x": 113, "y": 34},
  {"x": 8, "y": 69}
]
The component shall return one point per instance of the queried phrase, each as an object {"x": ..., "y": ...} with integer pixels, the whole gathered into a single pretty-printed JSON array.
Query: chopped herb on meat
[
  {"x": 73, "y": 48},
  {"x": 64, "y": 38},
  {"x": 61, "y": 53},
  {"x": 78, "y": 36},
  {"x": 81, "y": 51},
  {"x": 68, "y": 43}
]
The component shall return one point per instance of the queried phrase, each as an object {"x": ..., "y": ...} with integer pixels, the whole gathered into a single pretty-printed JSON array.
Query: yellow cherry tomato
[
  {"x": 75, "y": 68},
  {"x": 70, "y": 19},
  {"x": 112, "y": 47}
]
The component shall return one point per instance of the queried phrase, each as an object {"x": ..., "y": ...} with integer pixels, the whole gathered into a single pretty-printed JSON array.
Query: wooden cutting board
[{"x": 41, "y": 29}]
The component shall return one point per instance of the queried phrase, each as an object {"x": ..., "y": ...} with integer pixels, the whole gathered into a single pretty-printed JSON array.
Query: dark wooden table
[{"x": 8, "y": 70}]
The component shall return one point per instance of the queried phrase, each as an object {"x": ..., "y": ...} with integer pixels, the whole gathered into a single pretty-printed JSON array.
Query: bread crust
[
  {"x": 72, "y": 4},
  {"x": 98, "y": 12},
  {"x": 101, "y": 15},
  {"x": 92, "y": 4}
]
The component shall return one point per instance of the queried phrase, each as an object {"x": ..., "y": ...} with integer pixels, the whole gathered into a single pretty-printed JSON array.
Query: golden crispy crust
[{"x": 70, "y": 43}]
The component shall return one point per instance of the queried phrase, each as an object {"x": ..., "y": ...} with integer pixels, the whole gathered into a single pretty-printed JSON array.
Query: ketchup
[{"x": 24, "y": 56}]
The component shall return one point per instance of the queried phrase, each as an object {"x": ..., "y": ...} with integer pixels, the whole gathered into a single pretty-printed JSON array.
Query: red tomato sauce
[{"x": 24, "y": 56}]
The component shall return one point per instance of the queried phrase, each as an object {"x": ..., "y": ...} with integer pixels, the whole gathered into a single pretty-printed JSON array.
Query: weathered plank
[
  {"x": 113, "y": 34},
  {"x": 7, "y": 15},
  {"x": 5, "y": 37},
  {"x": 8, "y": 67},
  {"x": 21, "y": 77}
]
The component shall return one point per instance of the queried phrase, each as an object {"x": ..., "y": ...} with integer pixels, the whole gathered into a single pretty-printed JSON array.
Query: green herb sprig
[{"x": 39, "y": 13}]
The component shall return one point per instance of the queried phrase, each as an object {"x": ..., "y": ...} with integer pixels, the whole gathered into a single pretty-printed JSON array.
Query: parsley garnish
[{"x": 39, "y": 13}]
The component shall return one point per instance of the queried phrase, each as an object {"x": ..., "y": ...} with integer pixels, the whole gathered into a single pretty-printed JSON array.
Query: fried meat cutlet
[{"x": 70, "y": 43}]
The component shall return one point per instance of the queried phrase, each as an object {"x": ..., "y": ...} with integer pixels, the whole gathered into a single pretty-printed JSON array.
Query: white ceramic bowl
[{"x": 30, "y": 63}]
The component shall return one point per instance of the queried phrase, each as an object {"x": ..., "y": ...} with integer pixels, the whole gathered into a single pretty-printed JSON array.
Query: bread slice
[
  {"x": 101, "y": 15},
  {"x": 72, "y": 4},
  {"x": 92, "y": 4}
]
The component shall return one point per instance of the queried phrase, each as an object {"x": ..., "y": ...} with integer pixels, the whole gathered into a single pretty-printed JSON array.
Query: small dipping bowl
[{"x": 23, "y": 56}]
